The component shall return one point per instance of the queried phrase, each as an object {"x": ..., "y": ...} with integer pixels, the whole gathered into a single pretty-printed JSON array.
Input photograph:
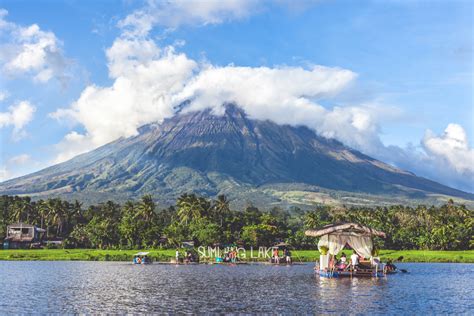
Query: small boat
[{"x": 141, "y": 258}]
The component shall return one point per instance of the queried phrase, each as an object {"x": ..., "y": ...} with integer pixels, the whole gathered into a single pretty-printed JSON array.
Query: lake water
[{"x": 116, "y": 287}]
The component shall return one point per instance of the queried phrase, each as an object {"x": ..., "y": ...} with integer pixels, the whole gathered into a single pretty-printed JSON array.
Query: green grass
[
  {"x": 81, "y": 254},
  {"x": 466, "y": 256},
  {"x": 165, "y": 255}
]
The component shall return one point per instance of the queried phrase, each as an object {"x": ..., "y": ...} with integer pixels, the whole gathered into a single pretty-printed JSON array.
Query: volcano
[{"x": 251, "y": 161}]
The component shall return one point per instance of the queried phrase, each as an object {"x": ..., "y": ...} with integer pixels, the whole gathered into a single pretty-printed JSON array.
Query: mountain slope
[{"x": 250, "y": 160}]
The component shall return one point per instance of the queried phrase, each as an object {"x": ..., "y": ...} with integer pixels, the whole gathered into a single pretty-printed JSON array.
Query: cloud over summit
[{"x": 150, "y": 82}]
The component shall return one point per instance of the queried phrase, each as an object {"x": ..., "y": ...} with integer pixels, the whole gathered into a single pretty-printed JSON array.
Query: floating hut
[
  {"x": 21, "y": 235},
  {"x": 334, "y": 237}
]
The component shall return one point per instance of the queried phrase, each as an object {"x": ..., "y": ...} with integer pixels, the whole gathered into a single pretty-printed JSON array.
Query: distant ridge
[{"x": 252, "y": 161}]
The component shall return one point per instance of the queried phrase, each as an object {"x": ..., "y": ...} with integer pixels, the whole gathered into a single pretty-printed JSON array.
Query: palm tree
[
  {"x": 311, "y": 220},
  {"x": 57, "y": 214},
  {"x": 184, "y": 208},
  {"x": 43, "y": 211},
  {"x": 189, "y": 207},
  {"x": 16, "y": 212},
  {"x": 146, "y": 208},
  {"x": 76, "y": 212},
  {"x": 221, "y": 207},
  {"x": 26, "y": 208}
]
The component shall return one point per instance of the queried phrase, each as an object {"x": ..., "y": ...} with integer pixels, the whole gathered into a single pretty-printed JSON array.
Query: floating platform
[{"x": 364, "y": 273}]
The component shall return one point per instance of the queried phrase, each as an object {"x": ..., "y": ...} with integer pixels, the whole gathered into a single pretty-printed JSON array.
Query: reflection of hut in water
[{"x": 21, "y": 235}]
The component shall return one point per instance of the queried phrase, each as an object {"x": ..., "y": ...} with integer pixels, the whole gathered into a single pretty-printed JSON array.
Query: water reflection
[
  {"x": 99, "y": 287},
  {"x": 359, "y": 295}
]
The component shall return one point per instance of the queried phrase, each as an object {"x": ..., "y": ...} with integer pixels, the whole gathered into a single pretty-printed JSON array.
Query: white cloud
[
  {"x": 31, "y": 51},
  {"x": 145, "y": 76},
  {"x": 452, "y": 147},
  {"x": 18, "y": 116},
  {"x": 265, "y": 91},
  {"x": 72, "y": 145},
  {"x": 174, "y": 13},
  {"x": 286, "y": 95},
  {"x": 447, "y": 158}
]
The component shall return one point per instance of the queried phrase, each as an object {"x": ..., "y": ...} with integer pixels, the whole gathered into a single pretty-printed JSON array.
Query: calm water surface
[{"x": 86, "y": 287}]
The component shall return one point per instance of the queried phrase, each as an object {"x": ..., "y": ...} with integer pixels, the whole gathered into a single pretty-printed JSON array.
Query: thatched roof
[{"x": 345, "y": 228}]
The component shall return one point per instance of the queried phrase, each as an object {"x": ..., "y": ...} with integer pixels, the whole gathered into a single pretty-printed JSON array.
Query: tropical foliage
[{"x": 143, "y": 224}]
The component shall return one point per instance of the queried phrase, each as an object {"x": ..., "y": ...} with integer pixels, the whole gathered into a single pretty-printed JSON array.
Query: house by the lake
[{"x": 21, "y": 235}]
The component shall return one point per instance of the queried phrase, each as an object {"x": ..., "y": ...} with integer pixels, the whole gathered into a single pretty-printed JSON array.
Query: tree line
[{"x": 143, "y": 224}]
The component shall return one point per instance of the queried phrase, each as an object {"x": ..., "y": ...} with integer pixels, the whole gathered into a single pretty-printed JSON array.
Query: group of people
[
  {"x": 276, "y": 256},
  {"x": 230, "y": 256},
  {"x": 343, "y": 264},
  {"x": 141, "y": 260}
]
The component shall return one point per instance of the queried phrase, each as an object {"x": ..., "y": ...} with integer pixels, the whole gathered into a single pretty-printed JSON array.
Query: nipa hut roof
[{"x": 345, "y": 228}]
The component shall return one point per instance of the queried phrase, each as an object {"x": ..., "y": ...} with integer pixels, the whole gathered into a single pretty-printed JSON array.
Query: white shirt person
[{"x": 354, "y": 259}]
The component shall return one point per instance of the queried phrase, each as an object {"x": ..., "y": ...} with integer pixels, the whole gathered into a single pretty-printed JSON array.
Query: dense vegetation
[{"x": 142, "y": 224}]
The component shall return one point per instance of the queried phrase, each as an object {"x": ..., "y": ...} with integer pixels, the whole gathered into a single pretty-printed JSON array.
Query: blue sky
[{"x": 411, "y": 65}]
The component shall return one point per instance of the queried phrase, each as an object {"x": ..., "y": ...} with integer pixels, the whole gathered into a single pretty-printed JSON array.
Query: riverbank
[{"x": 168, "y": 254}]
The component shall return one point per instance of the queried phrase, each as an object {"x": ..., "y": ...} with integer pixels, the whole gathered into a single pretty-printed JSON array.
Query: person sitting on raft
[
  {"x": 354, "y": 260},
  {"x": 342, "y": 265}
]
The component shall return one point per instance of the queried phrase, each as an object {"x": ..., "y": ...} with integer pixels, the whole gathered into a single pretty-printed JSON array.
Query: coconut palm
[
  {"x": 221, "y": 208},
  {"x": 16, "y": 211},
  {"x": 57, "y": 214},
  {"x": 146, "y": 208},
  {"x": 189, "y": 208},
  {"x": 311, "y": 220}
]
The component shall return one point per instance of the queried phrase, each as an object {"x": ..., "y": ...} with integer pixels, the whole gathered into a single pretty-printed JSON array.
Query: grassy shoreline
[{"x": 466, "y": 256}]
